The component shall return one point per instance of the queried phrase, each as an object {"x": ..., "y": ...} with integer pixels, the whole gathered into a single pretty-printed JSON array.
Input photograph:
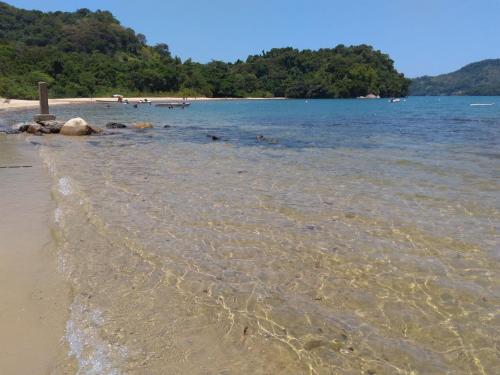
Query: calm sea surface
[{"x": 354, "y": 237}]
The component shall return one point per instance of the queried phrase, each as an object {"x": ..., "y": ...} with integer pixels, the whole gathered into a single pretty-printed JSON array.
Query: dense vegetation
[
  {"x": 480, "y": 78},
  {"x": 88, "y": 53}
]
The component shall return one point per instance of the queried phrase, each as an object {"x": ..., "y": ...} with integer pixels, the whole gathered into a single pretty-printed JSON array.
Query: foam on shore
[{"x": 93, "y": 354}]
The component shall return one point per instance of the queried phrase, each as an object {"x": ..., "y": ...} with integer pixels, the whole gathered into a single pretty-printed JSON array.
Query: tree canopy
[{"x": 87, "y": 53}]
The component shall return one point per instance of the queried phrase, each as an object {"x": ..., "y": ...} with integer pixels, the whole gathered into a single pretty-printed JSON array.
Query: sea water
[{"x": 312, "y": 237}]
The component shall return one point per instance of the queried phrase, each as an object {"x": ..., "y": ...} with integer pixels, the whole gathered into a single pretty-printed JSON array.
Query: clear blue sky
[{"x": 422, "y": 36}]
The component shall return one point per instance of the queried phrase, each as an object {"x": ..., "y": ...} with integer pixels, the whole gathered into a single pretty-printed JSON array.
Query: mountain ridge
[{"x": 481, "y": 78}]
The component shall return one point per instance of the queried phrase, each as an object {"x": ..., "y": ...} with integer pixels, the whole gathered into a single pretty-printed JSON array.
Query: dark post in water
[{"x": 43, "y": 95}]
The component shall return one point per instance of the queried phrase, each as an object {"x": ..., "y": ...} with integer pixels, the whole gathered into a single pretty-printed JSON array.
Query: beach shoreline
[
  {"x": 35, "y": 296},
  {"x": 13, "y": 104}
]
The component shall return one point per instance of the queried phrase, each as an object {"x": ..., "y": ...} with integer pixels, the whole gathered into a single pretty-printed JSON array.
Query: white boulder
[{"x": 76, "y": 126}]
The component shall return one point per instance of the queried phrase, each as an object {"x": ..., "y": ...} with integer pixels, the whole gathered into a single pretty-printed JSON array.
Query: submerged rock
[
  {"x": 214, "y": 137},
  {"x": 261, "y": 138},
  {"x": 115, "y": 125},
  {"x": 143, "y": 125},
  {"x": 76, "y": 126}
]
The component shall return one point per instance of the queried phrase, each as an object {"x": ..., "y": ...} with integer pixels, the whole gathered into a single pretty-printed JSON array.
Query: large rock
[
  {"x": 76, "y": 126},
  {"x": 52, "y": 126},
  {"x": 35, "y": 129}
]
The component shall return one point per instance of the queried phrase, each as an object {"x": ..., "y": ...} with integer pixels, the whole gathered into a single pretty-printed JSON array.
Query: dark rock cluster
[{"x": 40, "y": 127}]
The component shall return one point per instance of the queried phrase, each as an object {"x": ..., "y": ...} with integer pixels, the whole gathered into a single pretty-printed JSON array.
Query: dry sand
[{"x": 34, "y": 297}]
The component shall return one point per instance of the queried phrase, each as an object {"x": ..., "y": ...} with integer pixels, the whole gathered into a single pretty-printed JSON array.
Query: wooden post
[{"x": 43, "y": 95}]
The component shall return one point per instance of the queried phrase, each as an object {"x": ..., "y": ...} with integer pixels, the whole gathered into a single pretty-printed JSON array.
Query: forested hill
[
  {"x": 480, "y": 78},
  {"x": 86, "y": 53}
]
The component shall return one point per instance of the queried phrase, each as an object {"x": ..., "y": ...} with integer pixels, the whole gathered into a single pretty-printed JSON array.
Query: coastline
[
  {"x": 23, "y": 104},
  {"x": 34, "y": 294}
]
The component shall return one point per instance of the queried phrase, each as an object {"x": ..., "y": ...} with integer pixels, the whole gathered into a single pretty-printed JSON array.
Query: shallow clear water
[{"x": 356, "y": 237}]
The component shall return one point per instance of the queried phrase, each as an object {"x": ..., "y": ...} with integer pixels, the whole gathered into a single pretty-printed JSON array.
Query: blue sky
[{"x": 422, "y": 36}]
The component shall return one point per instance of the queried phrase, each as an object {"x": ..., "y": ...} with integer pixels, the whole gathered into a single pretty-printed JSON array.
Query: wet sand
[{"x": 33, "y": 294}]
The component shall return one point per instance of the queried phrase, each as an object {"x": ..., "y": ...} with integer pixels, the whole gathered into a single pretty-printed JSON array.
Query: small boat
[
  {"x": 173, "y": 105},
  {"x": 482, "y": 104},
  {"x": 395, "y": 100}
]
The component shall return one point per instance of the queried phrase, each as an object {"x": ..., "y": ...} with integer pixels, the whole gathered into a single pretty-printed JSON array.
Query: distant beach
[{"x": 20, "y": 104}]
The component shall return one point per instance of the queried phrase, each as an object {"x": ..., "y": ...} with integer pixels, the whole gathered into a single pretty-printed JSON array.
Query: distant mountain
[{"x": 480, "y": 78}]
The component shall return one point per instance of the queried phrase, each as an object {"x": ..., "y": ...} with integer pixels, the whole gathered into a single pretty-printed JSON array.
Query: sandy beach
[
  {"x": 20, "y": 104},
  {"x": 34, "y": 295}
]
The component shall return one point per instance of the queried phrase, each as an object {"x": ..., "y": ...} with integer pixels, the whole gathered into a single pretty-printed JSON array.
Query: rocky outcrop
[
  {"x": 76, "y": 126},
  {"x": 35, "y": 129},
  {"x": 21, "y": 127},
  {"x": 369, "y": 96},
  {"x": 53, "y": 127},
  {"x": 115, "y": 125}
]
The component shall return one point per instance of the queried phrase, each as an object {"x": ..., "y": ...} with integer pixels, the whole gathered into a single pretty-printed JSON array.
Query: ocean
[{"x": 310, "y": 237}]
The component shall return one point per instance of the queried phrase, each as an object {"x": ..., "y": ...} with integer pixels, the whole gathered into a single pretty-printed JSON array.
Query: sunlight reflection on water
[{"x": 364, "y": 239}]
